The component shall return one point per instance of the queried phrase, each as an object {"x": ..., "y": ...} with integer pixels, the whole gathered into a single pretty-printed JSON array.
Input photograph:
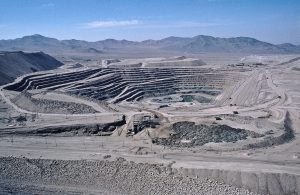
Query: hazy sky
[{"x": 275, "y": 21}]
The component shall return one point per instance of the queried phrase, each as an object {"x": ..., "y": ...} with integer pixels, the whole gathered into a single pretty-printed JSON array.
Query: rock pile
[
  {"x": 187, "y": 134},
  {"x": 25, "y": 101}
]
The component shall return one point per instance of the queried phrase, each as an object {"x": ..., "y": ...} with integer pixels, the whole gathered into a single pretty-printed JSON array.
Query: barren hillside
[
  {"x": 14, "y": 64},
  {"x": 174, "y": 45}
]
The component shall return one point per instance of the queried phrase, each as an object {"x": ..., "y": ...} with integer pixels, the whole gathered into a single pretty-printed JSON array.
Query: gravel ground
[{"x": 40, "y": 176}]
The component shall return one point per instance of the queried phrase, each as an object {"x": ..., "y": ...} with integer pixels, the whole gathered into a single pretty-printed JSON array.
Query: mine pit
[{"x": 223, "y": 122}]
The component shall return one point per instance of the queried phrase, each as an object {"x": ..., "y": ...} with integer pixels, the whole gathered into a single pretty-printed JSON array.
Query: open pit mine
[{"x": 179, "y": 122}]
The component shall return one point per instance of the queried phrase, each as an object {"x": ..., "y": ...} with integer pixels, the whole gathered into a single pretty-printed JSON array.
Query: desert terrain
[{"x": 195, "y": 124}]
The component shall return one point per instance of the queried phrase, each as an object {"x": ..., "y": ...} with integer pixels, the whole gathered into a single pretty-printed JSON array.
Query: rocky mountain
[
  {"x": 197, "y": 44},
  {"x": 14, "y": 64}
]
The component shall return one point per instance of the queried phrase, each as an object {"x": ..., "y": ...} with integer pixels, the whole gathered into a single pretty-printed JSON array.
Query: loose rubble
[
  {"x": 30, "y": 176},
  {"x": 25, "y": 101},
  {"x": 187, "y": 134}
]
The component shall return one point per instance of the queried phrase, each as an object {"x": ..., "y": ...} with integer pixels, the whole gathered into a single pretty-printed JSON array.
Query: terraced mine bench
[{"x": 130, "y": 84}]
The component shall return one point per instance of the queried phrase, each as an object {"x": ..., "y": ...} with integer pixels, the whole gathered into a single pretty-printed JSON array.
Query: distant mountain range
[
  {"x": 197, "y": 44},
  {"x": 14, "y": 64}
]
